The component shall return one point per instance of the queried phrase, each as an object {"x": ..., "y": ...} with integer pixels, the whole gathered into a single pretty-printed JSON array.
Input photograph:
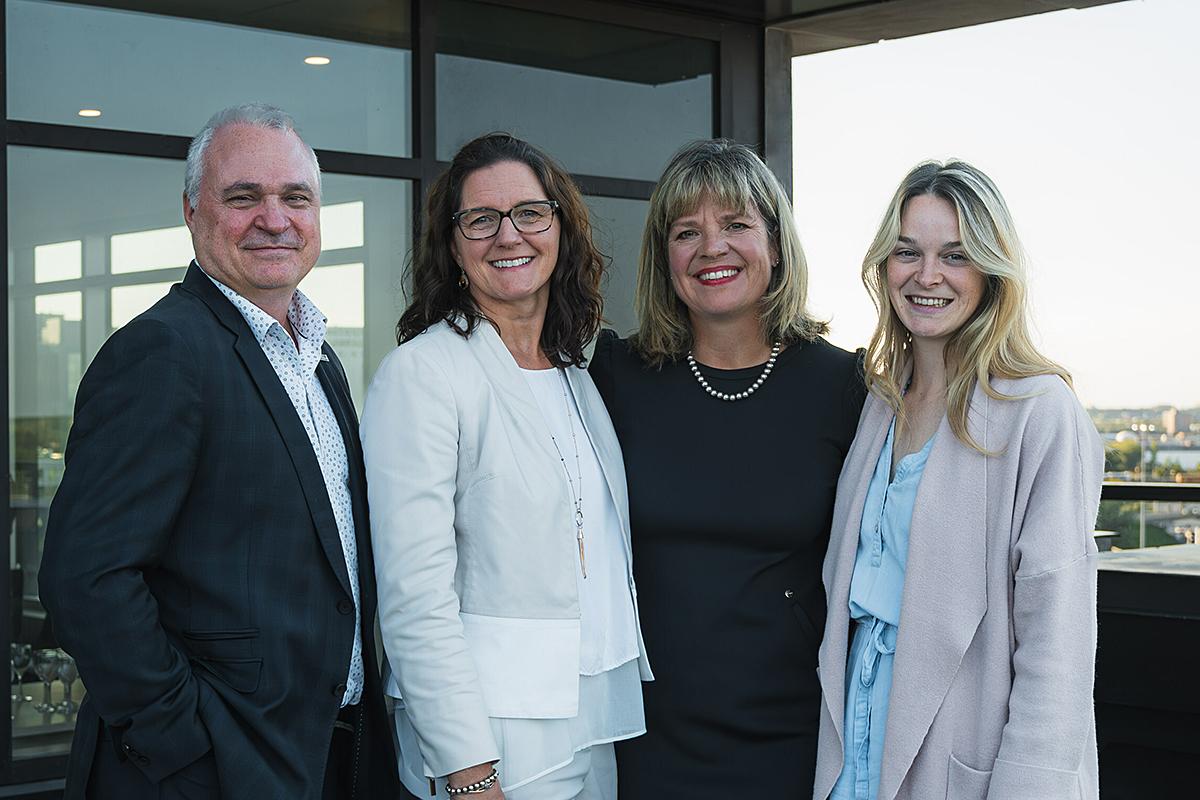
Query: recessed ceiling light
[
  {"x": 89, "y": 112},
  {"x": 317, "y": 61}
]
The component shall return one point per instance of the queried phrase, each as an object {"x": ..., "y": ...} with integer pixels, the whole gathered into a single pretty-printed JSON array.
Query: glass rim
[{"x": 457, "y": 218}]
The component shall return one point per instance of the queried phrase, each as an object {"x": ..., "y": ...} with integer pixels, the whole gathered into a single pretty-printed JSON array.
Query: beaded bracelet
[{"x": 478, "y": 787}]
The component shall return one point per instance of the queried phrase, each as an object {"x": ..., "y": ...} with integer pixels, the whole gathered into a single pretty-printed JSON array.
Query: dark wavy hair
[{"x": 574, "y": 311}]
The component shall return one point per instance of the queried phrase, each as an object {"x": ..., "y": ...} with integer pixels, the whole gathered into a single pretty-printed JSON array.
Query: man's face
[{"x": 256, "y": 225}]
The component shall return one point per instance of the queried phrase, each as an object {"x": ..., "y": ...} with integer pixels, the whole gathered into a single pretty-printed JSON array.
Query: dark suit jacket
[{"x": 193, "y": 567}]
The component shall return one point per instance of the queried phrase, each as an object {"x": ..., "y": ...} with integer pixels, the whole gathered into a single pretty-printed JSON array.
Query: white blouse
[
  {"x": 608, "y": 629},
  {"x": 610, "y": 689}
]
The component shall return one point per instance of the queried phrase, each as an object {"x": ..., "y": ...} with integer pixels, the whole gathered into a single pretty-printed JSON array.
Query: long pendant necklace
[
  {"x": 576, "y": 496},
  {"x": 735, "y": 396}
]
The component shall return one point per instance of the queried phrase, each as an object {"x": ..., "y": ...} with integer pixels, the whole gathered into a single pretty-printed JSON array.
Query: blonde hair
[
  {"x": 995, "y": 341},
  {"x": 733, "y": 176}
]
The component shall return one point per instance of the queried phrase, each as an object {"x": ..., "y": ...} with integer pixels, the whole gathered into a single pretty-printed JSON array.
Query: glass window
[
  {"x": 168, "y": 74},
  {"x": 1097, "y": 160},
  {"x": 139, "y": 251},
  {"x": 1128, "y": 524},
  {"x": 366, "y": 234},
  {"x": 57, "y": 262},
  {"x": 617, "y": 230},
  {"x": 342, "y": 225},
  {"x": 85, "y": 258},
  {"x": 126, "y": 302},
  {"x": 603, "y": 99}
]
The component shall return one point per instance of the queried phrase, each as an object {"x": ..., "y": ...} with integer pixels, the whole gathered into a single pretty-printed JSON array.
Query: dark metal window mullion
[
  {"x": 424, "y": 85},
  {"x": 6, "y": 737}
]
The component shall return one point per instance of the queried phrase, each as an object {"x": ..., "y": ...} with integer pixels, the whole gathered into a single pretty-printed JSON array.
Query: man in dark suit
[{"x": 207, "y": 557}]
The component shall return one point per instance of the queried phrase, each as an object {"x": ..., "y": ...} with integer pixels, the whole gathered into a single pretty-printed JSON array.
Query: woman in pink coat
[{"x": 959, "y": 649}]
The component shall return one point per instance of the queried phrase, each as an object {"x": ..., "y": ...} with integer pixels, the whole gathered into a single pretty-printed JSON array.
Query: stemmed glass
[
  {"x": 45, "y": 666},
  {"x": 67, "y": 673},
  {"x": 20, "y": 657}
]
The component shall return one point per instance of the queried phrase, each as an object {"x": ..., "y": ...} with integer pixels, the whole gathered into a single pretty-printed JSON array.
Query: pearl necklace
[{"x": 691, "y": 360}]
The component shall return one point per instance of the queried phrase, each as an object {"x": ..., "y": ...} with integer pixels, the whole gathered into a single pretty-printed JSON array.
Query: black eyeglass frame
[{"x": 457, "y": 216}]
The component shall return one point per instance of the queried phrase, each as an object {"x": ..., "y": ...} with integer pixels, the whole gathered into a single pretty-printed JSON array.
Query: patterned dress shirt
[{"x": 297, "y": 371}]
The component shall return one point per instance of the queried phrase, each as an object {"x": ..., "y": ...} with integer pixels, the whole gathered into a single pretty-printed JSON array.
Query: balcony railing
[{"x": 1131, "y": 490}]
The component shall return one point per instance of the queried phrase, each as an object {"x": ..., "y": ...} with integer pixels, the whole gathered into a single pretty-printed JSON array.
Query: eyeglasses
[{"x": 484, "y": 223}]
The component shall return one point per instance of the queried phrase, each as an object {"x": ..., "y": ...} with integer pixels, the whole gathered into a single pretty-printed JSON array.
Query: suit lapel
[
  {"x": 304, "y": 459},
  {"x": 332, "y": 380},
  {"x": 839, "y": 563},
  {"x": 945, "y": 591},
  {"x": 287, "y": 422}
]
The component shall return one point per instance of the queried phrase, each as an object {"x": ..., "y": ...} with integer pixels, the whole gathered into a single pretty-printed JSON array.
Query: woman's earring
[{"x": 463, "y": 283}]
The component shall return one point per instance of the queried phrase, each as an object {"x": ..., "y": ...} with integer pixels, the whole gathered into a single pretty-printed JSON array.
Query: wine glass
[
  {"x": 45, "y": 666},
  {"x": 67, "y": 673},
  {"x": 21, "y": 656}
]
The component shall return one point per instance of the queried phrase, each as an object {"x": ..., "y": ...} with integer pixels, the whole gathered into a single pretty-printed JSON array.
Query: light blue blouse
[{"x": 876, "y": 589}]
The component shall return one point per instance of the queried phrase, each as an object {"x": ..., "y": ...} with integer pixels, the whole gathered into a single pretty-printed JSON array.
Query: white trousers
[{"x": 592, "y": 775}]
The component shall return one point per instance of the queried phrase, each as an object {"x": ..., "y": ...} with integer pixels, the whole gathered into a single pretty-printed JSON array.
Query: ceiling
[
  {"x": 814, "y": 26},
  {"x": 810, "y": 26},
  {"x": 387, "y": 23},
  {"x": 831, "y": 26}
]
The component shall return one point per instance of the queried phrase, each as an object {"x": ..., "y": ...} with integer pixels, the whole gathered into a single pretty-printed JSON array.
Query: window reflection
[
  {"x": 365, "y": 237},
  {"x": 617, "y": 230},
  {"x": 140, "y": 251},
  {"x": 126, "y": 302},
  {"x": 341, "y": 225},
  {"x": 146, "y": 72},
  {"x": 65, "y": 306},
  {"x": 590, "y": 81},
  {"x": 51, "y": 379},
  {"x": 338, "y": 291},
  {"x": 57, "y": 262}
]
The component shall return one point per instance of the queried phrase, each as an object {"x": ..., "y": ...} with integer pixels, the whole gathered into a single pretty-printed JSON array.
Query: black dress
[{"x": 730, "y": 505}]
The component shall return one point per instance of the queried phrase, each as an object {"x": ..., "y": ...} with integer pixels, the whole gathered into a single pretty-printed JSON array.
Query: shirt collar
[{"x": 307, "y": 320}]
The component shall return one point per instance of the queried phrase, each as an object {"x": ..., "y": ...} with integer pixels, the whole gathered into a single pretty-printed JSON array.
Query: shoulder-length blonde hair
[
  {"x": 995, "y": 341},
  {"x": 734, "y": 176}
]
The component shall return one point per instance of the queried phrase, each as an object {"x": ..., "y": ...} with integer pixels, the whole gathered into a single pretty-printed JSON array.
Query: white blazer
[{"x": 472, "y": 525}]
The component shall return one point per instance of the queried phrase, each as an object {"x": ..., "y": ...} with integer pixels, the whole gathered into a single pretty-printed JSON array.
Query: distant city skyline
[{"x": 1087, "y": 121}]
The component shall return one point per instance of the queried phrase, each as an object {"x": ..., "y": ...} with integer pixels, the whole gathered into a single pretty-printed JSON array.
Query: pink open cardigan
[{"x": 995, "y": 657}]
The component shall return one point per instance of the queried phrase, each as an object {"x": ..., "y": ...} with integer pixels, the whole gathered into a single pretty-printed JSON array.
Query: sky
[{"x": 1088, "y": 122}]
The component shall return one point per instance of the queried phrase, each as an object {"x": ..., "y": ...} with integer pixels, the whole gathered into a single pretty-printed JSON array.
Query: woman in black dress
[{"x": 734, "y": 416}]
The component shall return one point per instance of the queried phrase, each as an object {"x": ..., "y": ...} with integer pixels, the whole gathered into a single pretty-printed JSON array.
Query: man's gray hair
[{"x": 259, "y": 114}]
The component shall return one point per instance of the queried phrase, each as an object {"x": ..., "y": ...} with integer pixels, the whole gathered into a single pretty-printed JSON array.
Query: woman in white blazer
[
  {"x": 498, "y": 500},
  {"x": 959, "y": 649}
]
